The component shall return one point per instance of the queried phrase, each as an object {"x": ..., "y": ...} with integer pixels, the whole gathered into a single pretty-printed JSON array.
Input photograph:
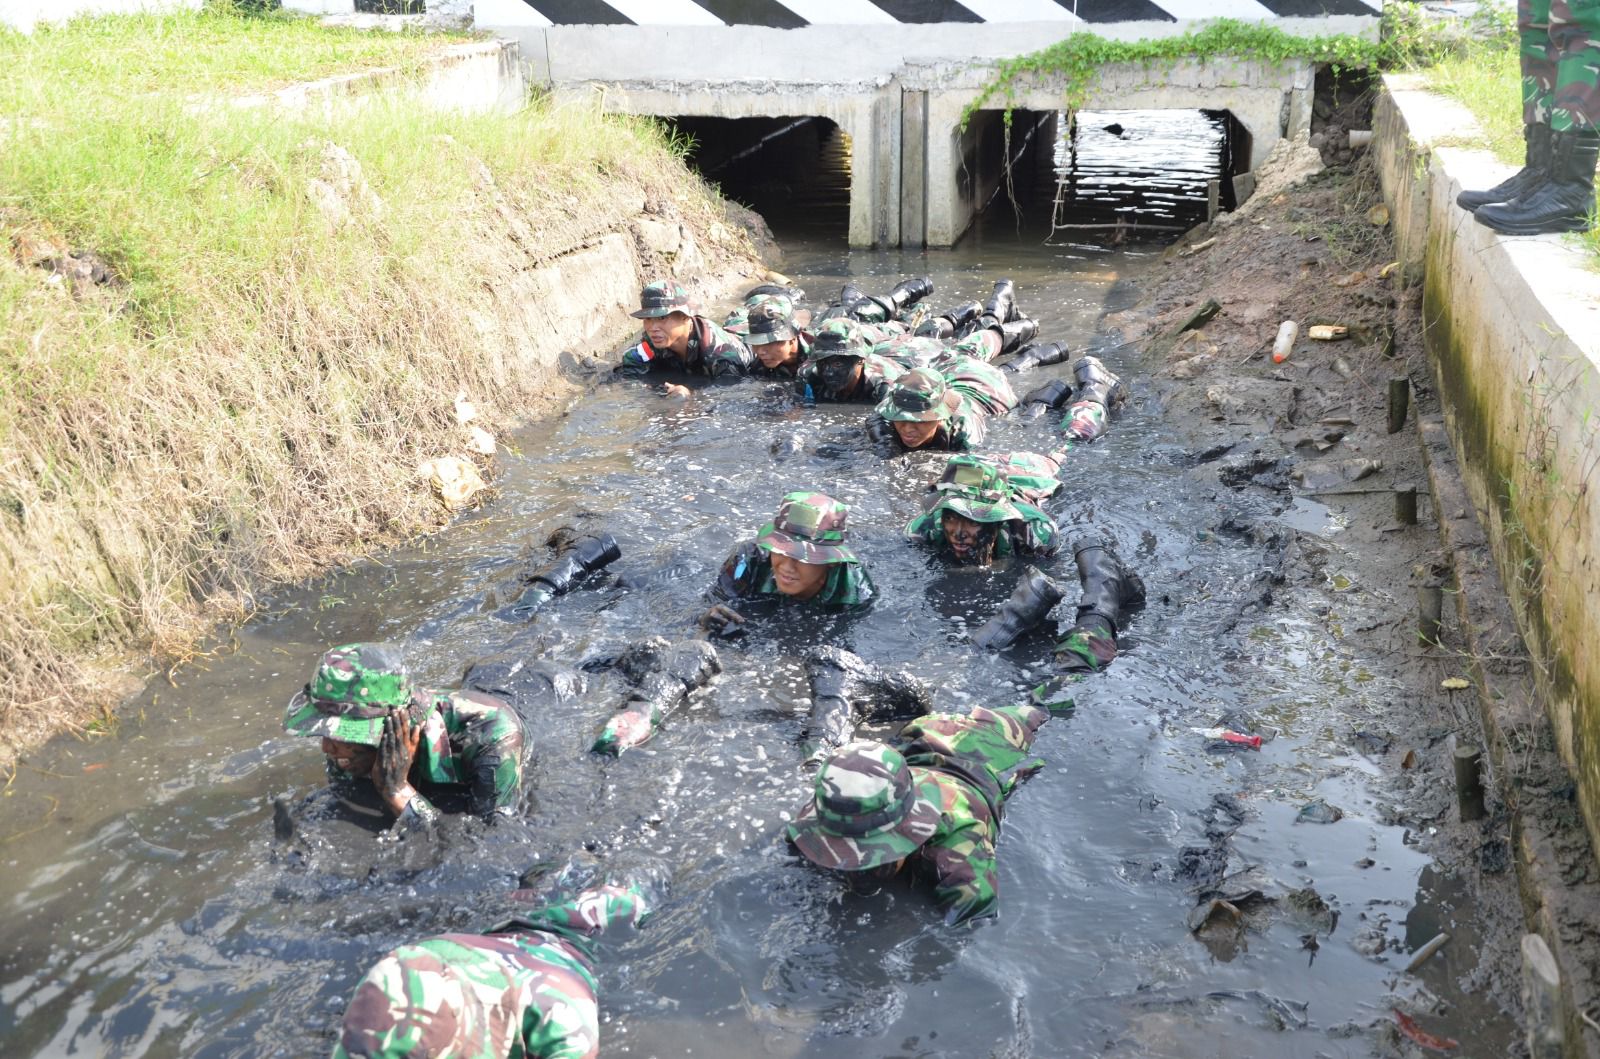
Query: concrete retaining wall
[
  {"x": 1513, "y": 336},
  {"x": 481, "y": 76}
]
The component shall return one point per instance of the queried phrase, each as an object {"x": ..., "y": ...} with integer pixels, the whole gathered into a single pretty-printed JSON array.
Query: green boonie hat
[
  {"x": 809, "y": 527},
  {"x": 661, "y": 298},
  {"x": 770, "y": 318},
  {"x": 864, "y": 812},
  {"x": 352, "y": 690},
  {"x": 919, "y": 396},
  {"x": 839, "y": 338},
  {"x": 738, "y": 321},
  {"x": 979, "y": 507}
]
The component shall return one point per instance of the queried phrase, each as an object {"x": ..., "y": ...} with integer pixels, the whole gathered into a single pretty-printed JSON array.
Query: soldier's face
[
  {"x": 841, "y": 374},
  {"x": 354, "y": 758},
  {"x": 669, "y": 332},
  {"x": 970, "y": 542},
  {"x": 915, "y": 435},
  {"x": 797, "y": 579},
  {"x": 775, "y": 355}
]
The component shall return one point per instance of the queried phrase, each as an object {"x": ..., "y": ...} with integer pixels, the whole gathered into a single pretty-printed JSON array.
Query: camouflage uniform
[
  {"x": 468, "y": 738},
  {"x": 836, "y": 341},
  {"x": 936, "y": 802},
  {"x": 1560, "y": 63},
  {"x": 712, "y": 351},
  {"x": 770, "y": 318},
  {"x": 980, "y": 489},
  {"x": 526, "y": 988},
  {"x": 958, "y": 392},
  {"x": 809, "y": 527}
]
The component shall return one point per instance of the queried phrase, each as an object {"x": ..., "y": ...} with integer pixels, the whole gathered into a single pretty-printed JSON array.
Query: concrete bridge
[{"x": 895, "y": 76}]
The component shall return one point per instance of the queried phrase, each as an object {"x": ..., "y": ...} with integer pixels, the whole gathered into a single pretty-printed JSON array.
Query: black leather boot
[
  {"x": 1535, "y": 171},
  {"x": 1039, "y": 356},
  {"x": 952, "y": 323},
  {"x": 1110, "y": 590},
  {"x": 1001, "y": 308},
  {"x": 910, "y": 291},
  {"x": 1041, "y": 399},
  {"x": 1026, "y": 608},
  {"x": 1563, "y": 203},
  {"x": 1096, "y": 382}
]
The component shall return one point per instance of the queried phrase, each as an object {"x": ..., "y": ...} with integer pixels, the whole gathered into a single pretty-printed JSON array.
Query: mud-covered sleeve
[
  {"x": 740, "y": 574},
  {"x": 1038, "y": 536},
  {"x": 492, "y": 753},
  {"x": 966, "y": 881},
  {"x": 728, "y": 359}
]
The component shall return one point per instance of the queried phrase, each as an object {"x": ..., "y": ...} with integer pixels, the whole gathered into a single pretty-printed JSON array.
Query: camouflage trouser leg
[
  {"x": 1084, "y": 422},
  {"x": 1088, "y": 647},
  {"x": 1560, "y": 62},
  {"x": 1575, "y": 41},
  {"x": 981, "y": 345}
]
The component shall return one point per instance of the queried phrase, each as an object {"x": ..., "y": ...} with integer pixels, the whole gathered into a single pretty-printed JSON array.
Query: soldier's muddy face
[
  {"x": 353, "y": 758},
  {"x": 840, "y": 374},
  {"x": 781, "y": 354},
  {"x": 797, "y": 579},
  {"x": 970, "y": 542},
  {"x": 916, "y": 435},
  {"x": 670, "y": 332}
]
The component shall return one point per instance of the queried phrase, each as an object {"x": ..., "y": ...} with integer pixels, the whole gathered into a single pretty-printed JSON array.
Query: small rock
[{"x": 1319, "y": 812}]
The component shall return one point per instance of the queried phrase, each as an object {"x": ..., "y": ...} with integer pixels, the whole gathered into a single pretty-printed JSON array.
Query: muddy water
[{"x": 149, "y": 911}]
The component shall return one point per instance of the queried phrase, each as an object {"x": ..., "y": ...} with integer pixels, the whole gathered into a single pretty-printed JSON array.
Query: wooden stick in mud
[{"x": 1399, "y": 402}]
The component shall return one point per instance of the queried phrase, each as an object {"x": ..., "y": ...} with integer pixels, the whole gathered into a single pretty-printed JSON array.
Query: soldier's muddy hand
[
  {"x": 396, "y": 751},
  {"x": 721, "y": 620},
  {"x": 672, "y": 389}
]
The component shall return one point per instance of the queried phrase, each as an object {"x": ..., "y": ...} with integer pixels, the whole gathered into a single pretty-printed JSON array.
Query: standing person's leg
[
  {"x": 1538, "y": 88},
  {"x": 1565, "y": 202}
]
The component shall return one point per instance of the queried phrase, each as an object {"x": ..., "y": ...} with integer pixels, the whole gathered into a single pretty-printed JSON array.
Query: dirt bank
[
  {"x": 255, "y": 390},
  {"x": 1272, "y": 440}
]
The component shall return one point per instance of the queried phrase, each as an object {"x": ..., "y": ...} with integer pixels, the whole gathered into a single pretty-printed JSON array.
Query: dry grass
[{"x": 249, "y": 394}]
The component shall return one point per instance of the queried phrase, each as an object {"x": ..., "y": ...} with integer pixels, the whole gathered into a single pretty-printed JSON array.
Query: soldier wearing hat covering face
[
  {"x": 977, "y": 512},
  {"x": 527, "y": 988},
  {"x": 375, "y": 726},
  {"x": 802, "y": 554},
  {"x": 678, "y": 339},
  {"x": 932, "y": 803},
  {"x": 843, "y": 366}
]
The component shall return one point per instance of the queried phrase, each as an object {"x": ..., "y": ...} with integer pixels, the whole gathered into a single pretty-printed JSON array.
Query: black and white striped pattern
[{"x": 792, "y": 14}]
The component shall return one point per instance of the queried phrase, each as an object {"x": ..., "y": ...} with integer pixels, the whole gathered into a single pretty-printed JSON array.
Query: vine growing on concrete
[{"x": 1406, "y": 39}]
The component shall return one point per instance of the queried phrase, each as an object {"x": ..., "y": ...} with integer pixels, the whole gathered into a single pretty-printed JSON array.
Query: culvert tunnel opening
[
  {"x": 1110, "y": 177},
  {"x": 794, "y": 171}
]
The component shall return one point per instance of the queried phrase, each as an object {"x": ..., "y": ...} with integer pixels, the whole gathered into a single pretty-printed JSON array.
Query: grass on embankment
[{"x": 250, "y": 394}]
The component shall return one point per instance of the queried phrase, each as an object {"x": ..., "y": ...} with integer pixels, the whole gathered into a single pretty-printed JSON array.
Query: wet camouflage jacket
[
  {"x": 526, "y": 989},
  {"x": 712, "y": 352},
  {"x": 747, "y": 574},
  {"x": 1034, "y": 536},
  {"x": 969, "y": 765},
  {"x": 471, "y": 739}
]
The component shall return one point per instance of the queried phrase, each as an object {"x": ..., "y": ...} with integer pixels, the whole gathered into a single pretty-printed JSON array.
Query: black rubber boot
[
  {"x": 952, "y": 323},
  {"x": 1110, "y": 590},
  {"x": 1564, "y": 203},
  {"x": 1001, "y": 308},
  {"x": 847, "y": 690},
  {"x": 586, "y": 555},
  {"x": 1039, "y": 356},
  {"x": 909, "y": 292},
  {"x": 1096, "y": 382},
  {"x": 1026, "y": 608},
  {"x": 1535, "y": 171},
  {"x": 1041, "y": 399},
  {"x": 1016, "y": 334}
]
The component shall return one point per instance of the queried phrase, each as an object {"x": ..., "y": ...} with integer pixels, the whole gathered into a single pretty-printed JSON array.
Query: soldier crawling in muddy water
[
  {"x": 375, "y": 726},
  {"x": 524, "y": 988},
  {"x": 984, "y": 508},
  {"x": 933, "y": 800},
  {"x": 676, "y": 338},
  {"x": 803, "y": 554}
]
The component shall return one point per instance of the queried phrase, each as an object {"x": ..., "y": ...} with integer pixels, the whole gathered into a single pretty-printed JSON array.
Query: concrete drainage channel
[{"x": 1510, "y": 331}]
